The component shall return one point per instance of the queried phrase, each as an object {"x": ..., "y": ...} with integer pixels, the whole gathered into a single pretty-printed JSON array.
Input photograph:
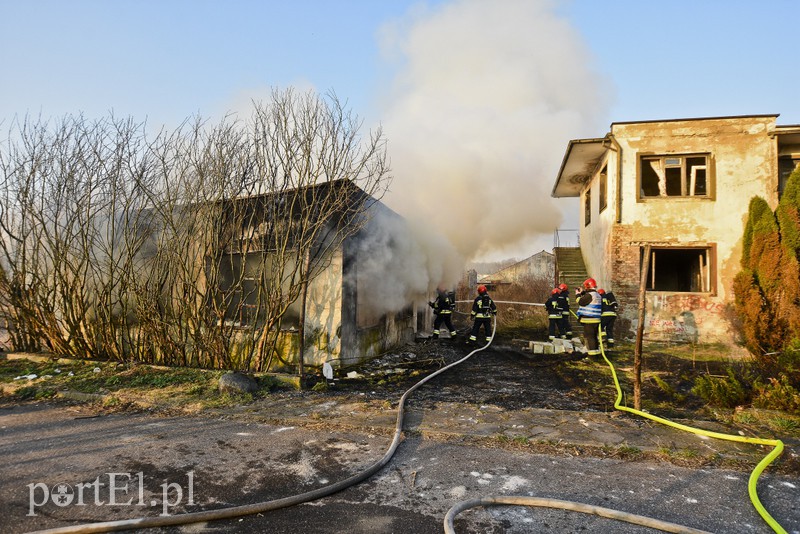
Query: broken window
[
  {"x": 674, "y": 176},
  {"x": 681, "y": 269},
  {"x": 587, "y": 207},
  {"x": 603, "y": 189},
  {"x": 786, "y": 166},
  {"x": 243, "y": 293}
]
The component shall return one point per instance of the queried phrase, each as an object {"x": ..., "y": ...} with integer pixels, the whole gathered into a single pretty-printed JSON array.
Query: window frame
[
  {"x": 603, "y": 184},
  {"x": 786, "y": 166},
  {"x": 708, "y": 277},
  {"x": 687, "y": 175},
  {"x": 587, "y": 206}
]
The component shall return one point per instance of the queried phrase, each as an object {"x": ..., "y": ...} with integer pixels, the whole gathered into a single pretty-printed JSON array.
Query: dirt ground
[
  {"x": 498, "y": 376},
  {"x": 510, "y": 377},
  {"x": 506, "y": 376}
]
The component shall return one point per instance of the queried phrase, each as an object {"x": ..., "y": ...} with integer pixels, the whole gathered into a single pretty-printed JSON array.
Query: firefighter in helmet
[
  {"x": 554, "y": 316},
  {"x": 608, "y": 316},
  {"x": 589, "y": 314},
  {"x": 443, "y": 308},
  {"x": 566, "y": 324},
  {"x": 483, "y": 309}
]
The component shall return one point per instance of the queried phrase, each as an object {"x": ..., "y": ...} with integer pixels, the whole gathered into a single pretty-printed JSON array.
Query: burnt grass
[{"x": 511, "y": 377}]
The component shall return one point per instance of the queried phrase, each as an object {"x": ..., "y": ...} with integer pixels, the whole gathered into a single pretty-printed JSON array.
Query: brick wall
[{"x": 624, "y": 267}]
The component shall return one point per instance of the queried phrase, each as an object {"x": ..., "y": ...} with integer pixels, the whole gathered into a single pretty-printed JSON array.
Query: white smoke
[
  {"x": 399, "y": 263},
  {"x": 485, "y": 97}
]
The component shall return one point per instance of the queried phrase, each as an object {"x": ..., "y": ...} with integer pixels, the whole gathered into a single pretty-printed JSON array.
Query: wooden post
[
  {"x": 302, "y": 320},
  {"x": 637, "y": 353}
]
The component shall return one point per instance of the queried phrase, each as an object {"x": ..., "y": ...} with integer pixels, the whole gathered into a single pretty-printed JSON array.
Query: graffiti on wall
[{"x": 685, "y": 316}]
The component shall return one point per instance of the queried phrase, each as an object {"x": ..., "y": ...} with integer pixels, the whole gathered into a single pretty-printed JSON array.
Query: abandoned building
[
  {"x": 538, "y": 266},
  {"x": 680, "y": 189},
  {"x": 342, "y": 320}
]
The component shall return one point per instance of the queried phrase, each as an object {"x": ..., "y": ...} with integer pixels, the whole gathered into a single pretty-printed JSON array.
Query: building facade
[{"x": 680, "y": 189}]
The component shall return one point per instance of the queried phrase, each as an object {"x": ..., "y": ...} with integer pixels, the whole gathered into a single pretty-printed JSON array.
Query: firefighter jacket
[
  {"x": 610, "y": 305},
  {"x": 444, "y": 304},
  {"x": 563, "y": 299},
  {"x": 591, "y": 306},
  {"x": 553, "y": 307},
  {"x": 483, "y": 307}
]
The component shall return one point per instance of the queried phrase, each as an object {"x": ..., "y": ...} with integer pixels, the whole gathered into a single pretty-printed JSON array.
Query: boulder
[{"x": 235, "y": 382}]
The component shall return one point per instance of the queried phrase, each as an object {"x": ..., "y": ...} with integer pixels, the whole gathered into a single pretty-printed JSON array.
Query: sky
[{"x": 477, "y": 98}]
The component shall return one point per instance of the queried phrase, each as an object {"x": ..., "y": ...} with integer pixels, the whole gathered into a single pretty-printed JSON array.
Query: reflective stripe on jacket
[
  {"x": 483, "y": 307},
  {"x": 610, "y": 305},
  {"x": 563, "y": 298},
  {"x": 553, "y": 309},
  {"x": 591, "y": 309},
  {"x": 444, "y": 305}
]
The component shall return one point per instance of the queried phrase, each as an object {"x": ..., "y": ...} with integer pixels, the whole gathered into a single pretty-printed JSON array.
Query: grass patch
[
  {"x": 627, "y": 452},
  {"x": 34, "y": 393},
  {"x": 785, "y": 424},
  {"x": 123, "y": 384}
]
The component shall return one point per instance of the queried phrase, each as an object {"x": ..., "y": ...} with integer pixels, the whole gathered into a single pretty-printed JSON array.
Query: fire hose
[
  {"x": 522, "y": 500},
  {"x": 249, "y": 509},
  {"x": 255, "y": 508}
]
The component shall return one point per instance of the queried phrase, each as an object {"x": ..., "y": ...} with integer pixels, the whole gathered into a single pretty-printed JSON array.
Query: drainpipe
[{"x": 618, "y": 149}]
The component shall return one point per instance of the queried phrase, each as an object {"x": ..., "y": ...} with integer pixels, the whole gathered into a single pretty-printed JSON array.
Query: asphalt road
[{"x": 64, "y": 465}]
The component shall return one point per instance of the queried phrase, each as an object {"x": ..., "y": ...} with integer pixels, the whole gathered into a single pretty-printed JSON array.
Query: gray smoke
[{"x": 485, "y": 97}]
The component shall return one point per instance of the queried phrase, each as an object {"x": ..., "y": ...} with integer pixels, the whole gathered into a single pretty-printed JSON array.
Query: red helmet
[
  {"x": 601, "y": 291},
  {"x": 563, "y": 287},
  {"x": 481, "y": 289},
  {"x": 555, "y": 291},
  {"x": 590, "y": 283}
]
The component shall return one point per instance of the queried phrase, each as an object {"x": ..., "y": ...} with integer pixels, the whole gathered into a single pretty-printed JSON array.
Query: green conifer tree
[{"x": 757, "y": 289}]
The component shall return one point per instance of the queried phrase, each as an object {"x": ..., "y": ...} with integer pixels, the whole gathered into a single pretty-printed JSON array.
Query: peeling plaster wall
[
  {"x": 596, "y": 236},
  {"x": 743, "y": 163},
  {"x": 324, "y": 314}
]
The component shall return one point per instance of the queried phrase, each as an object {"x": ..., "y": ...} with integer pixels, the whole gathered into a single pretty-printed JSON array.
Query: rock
[{"x": 235, "y": 382}]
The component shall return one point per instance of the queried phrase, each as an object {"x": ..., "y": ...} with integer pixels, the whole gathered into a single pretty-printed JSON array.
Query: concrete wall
[
  {"x": 742, "y": 164},
  {"x": 324, "y": 314},
  {"x": 366, "y": 330}
]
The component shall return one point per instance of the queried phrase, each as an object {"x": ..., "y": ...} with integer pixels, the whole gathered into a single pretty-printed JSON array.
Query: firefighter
[
  {"x": 589, "y": 314},
  {"x": 566, "y": 324},
  {"x": 608, "y": 316},
  {"x": 554, "y": 315},
  {"x": 483, "y": 309},
  {"x": 443, "y": 308}
]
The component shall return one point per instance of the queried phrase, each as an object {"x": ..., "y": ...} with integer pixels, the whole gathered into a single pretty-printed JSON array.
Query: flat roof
[
  {"x": 579, "y": 163},
  {"x": 774, "y": 115}
]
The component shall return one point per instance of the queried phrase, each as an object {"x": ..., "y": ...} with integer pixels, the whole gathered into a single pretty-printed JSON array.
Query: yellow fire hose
[
  {"x": 753, "y": 481},
  {"x": 238, "y": 511},
  {"x": 623, "y": 516}
]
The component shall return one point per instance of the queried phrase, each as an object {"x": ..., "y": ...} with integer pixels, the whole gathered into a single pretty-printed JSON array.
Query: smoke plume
[{"x": 484, "y": 98}]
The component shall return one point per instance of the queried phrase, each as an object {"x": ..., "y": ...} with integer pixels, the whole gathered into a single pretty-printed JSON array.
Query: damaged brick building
[{"x": 680, "y": 188}]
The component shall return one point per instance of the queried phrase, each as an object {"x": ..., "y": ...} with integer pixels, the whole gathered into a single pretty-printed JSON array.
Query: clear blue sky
[
  {"x": 562, "y": 69},
  {"x": 167, "y": 59}
]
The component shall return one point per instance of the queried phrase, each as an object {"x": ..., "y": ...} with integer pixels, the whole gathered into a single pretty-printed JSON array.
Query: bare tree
[
  {"x": 193, "y": 248},
  {"x": 310, "y": 187}
]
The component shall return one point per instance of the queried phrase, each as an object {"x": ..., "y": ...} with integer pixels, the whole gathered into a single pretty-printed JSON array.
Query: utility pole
[{"x": 637, "y": 353}]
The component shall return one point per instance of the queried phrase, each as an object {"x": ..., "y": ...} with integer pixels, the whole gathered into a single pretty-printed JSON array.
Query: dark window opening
[
  {"x": 674, "y": 176},
  {"x": 680, "y": 270},
  {"x": 241, "y": 290},
  {"x": 603, "y": 189},
  {"x": 587, "y": 207}
]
